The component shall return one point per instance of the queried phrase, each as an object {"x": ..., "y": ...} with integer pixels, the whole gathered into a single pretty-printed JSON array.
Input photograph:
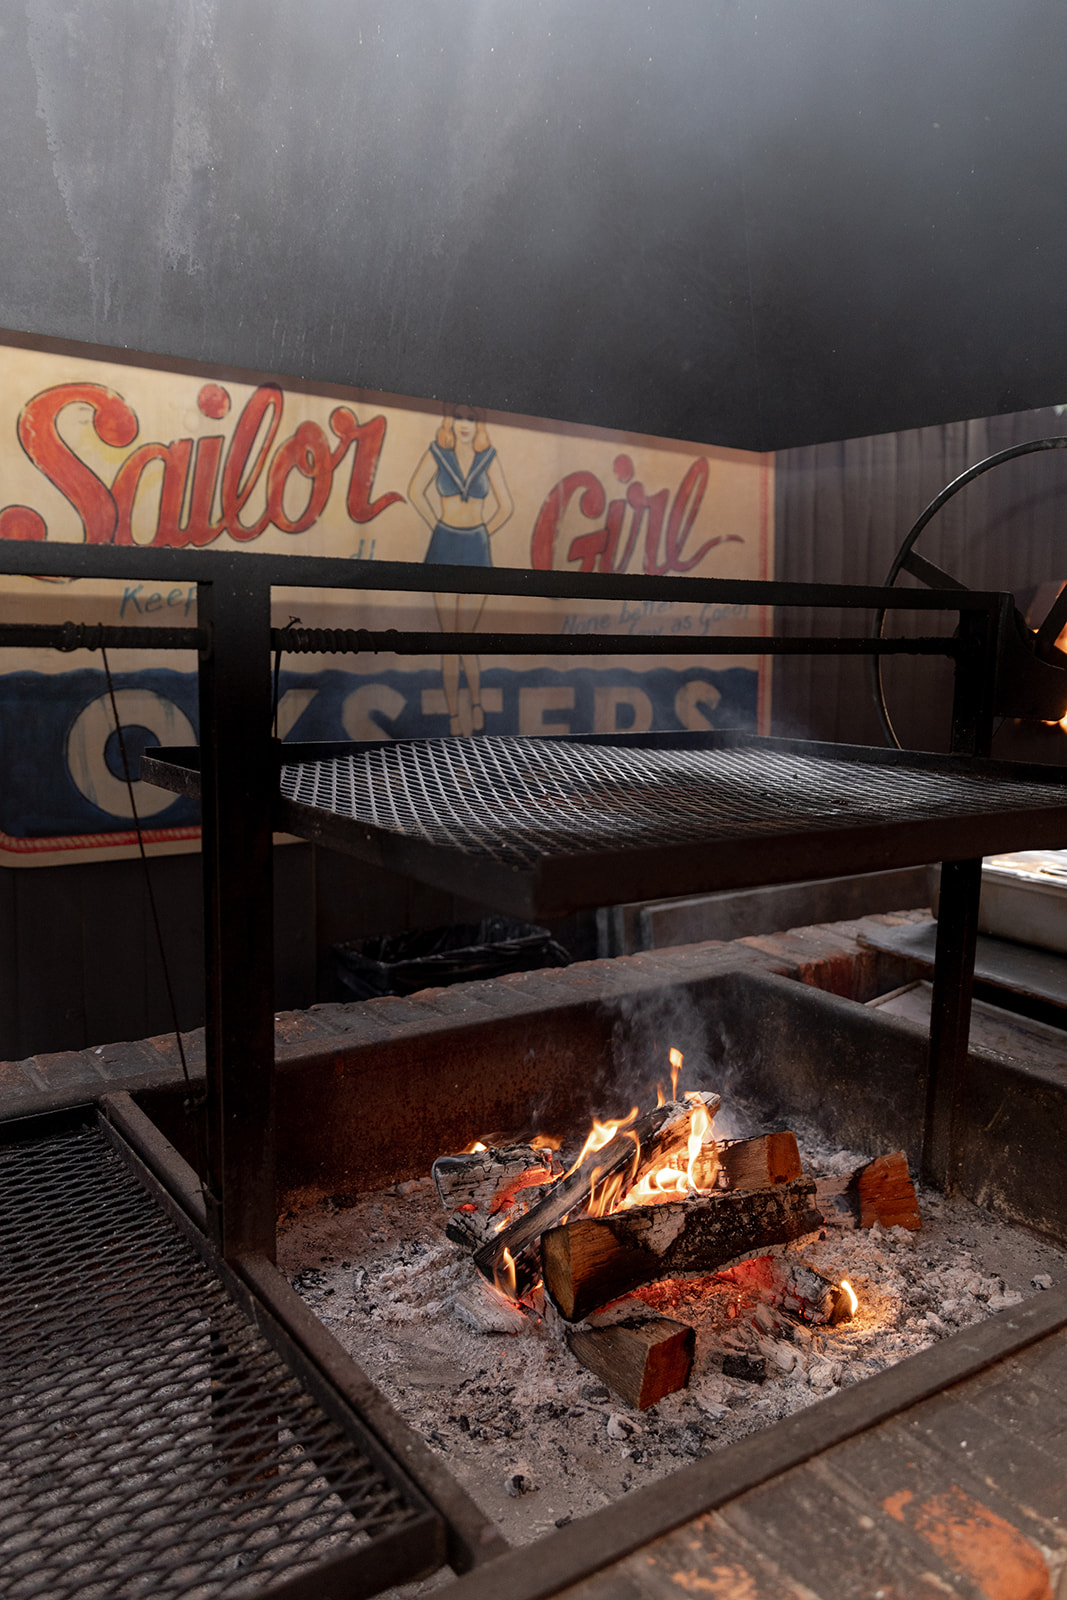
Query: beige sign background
[{"x": 108, "y": 451}]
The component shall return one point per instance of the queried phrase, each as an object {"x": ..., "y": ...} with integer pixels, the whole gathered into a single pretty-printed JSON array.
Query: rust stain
[
  {"x": 725, "y": 1582},
  {"x": 973, "y": 1540},
  {"x": 896, "y": 1503}
]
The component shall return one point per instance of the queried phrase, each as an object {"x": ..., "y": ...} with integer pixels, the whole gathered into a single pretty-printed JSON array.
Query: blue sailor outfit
[{"x": 460, "y": 547}]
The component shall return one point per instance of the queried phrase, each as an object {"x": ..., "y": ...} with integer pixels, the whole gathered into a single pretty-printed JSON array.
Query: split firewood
[
  {"x": 591, "y": 1261},
  {"x": 749, "y": 1163},
  {"x": 881, "y": 1191},
  {"x": 653, "y": 1138},
  {"x": 640, "y": 1361},
  {"x": 761, "y": 1163},
  {"x": 886, "y": 1193}
]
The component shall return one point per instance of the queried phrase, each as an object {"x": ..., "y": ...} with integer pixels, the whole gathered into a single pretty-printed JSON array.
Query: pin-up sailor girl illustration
[{"x": 458, "y": 489}]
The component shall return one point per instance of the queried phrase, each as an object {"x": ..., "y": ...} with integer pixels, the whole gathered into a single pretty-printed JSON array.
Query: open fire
[
  {"x": 650, "y": 1198},
  {"x": 538, "y": 1437}
]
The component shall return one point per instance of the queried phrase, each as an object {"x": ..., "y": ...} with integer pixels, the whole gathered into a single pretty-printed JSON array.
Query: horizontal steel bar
[
  {"x": 92, "y": 635},
  {"x": 332, "y": 572},
  {"x": 323, "y": 641}
]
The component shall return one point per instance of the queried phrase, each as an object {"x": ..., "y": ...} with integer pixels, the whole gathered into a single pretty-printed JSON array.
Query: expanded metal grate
[
  {"x": 517, "y": 801},
  {"x": 151, "y": 1441}
]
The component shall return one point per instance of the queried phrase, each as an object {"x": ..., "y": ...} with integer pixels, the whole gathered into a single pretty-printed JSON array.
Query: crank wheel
[{"x": 1040, "y": 643}]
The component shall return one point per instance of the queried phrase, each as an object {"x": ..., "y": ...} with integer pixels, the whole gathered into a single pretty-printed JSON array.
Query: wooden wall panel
[{"x": 841, "y": 513}]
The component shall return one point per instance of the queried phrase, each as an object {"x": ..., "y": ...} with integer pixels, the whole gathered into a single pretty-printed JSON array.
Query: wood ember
[
  {"x": 593, "y": 1260},
  {"x": 641, "y": 1361},
  {"x": 653, "y": 1138},
  {"x": 482, "y": 1309}
]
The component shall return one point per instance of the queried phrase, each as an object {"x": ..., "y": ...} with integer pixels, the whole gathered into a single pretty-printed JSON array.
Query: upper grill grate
[{"x": 517, "y": 801}]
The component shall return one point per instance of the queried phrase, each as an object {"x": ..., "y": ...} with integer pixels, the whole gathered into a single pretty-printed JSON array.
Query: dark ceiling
[{"x": 756, "y": 224}]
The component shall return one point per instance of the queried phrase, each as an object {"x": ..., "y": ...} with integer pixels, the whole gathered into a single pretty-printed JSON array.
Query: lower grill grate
[{"x": 152, "y": 1443}]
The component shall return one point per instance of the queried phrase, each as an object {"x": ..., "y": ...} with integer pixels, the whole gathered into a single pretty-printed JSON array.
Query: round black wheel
[{"x": 1040, "y": 642}]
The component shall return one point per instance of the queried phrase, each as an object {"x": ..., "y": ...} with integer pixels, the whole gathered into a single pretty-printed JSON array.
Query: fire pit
[
  {"x": 534, "y": 1436},
  {"x": 540, "y": 1434}
]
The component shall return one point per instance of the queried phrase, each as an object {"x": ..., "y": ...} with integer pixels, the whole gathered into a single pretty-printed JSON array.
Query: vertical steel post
[
  {"x": 957, "y": 918},
  {"x": 237, "y": 784}
]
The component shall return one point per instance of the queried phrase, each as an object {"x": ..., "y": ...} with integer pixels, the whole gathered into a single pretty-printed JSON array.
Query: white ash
[{"x": 535, "y": 1439}]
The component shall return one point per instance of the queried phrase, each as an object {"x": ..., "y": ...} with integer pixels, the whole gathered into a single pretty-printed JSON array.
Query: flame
[
  {"x": 699, "y": 1124},
  {"x": 662, "y": 1183},
  {"x": 504, "y": 1275},
  {"x": 545, "y": 1141},
  {"x": 601, "y": 1134},
  {"x": 853, "y": 1300},
  {"x": 671, "y": 1181},
  {"x": 675, "y": 1058}
]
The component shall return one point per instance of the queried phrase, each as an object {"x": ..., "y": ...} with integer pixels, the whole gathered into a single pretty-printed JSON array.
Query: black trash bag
[{"x": 405, "y": 962}]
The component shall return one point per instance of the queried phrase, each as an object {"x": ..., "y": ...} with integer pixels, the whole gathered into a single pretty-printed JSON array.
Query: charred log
[
  {"x": 477, "y": 1177},
  {"x": 592, "y": 1261}
]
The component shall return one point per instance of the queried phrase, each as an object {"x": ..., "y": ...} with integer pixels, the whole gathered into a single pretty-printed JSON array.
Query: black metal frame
[{"x": 234, "y": 639}]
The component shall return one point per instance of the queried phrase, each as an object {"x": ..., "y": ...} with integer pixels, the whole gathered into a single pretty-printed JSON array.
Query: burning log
[
  {"x": 479, "y": 1176},
  {"x": 793, "y": 1287},
  {"x": 881, "y": 1191},
  {"x": 591, "y": 1261},
  {"x": 654, "y": 1138},
  {"x": 480, "y": 1184},
  {"x": 640, "y": 1361}
]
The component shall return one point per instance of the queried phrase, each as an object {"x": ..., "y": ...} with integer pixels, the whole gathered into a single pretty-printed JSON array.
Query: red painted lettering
[
  {"x": 307, "y": 452},
  {"x": 368, "y": 438},
  {"x": 201, "y": 530},
  {"x": 546, "y": 529},
  {"x": 238, "y": 479},
  {"x": 175, "y": 459},
  {"x": 687, "y": 503},
  {"x": 114, "y": 423}
]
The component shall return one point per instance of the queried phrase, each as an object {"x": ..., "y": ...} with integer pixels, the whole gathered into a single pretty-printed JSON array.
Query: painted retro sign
[{"x": 110, "y": 452}]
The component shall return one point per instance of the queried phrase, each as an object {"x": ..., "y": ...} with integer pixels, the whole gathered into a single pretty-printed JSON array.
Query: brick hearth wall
[{"x": 827, "y": 956}]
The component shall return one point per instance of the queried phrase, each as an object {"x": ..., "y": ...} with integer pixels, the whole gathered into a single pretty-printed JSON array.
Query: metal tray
[
  {"x": 1020, "y": 899},
  {"x": 541, "y": 827}
]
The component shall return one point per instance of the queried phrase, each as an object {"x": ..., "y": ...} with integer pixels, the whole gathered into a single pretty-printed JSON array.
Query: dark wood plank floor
[{"x": 964, "y": 1494}]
